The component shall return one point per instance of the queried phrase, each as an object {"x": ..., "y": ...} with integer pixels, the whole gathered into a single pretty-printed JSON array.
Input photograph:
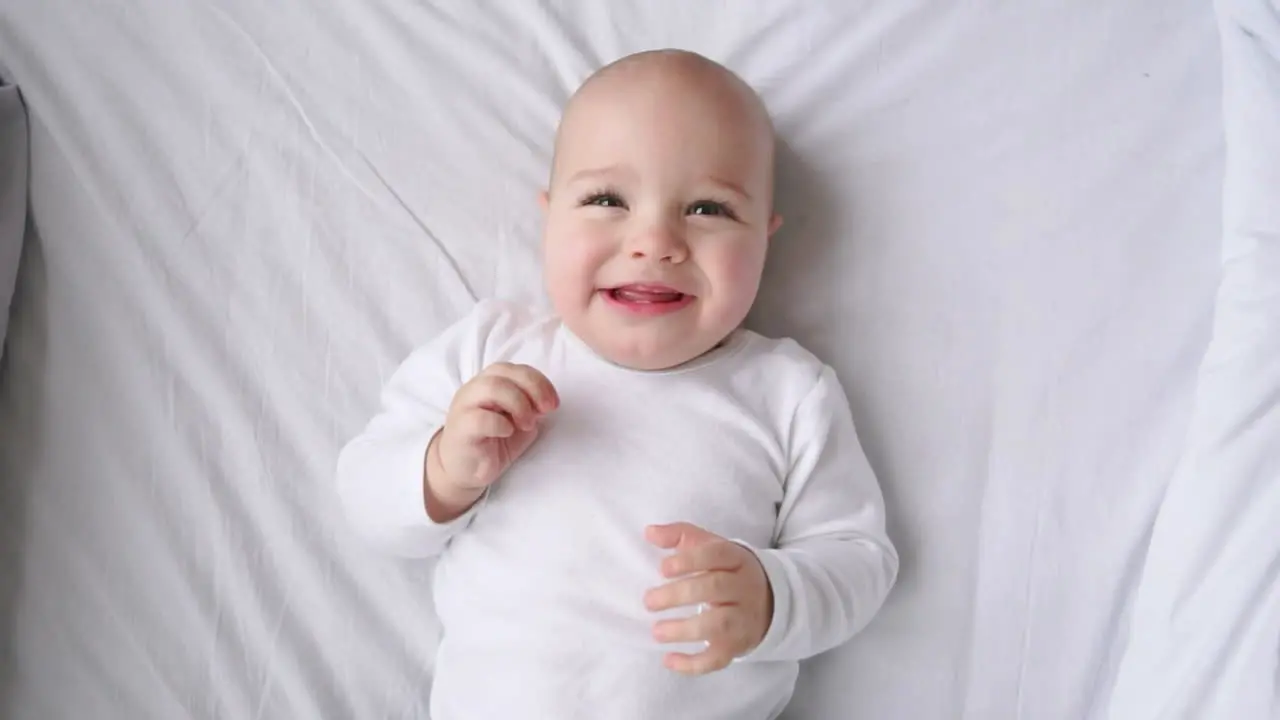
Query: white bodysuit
[{"x": 540, "y": 586}]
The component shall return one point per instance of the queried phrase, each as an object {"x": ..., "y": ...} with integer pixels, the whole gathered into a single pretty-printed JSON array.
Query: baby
[{"x": 640, "y": 509}]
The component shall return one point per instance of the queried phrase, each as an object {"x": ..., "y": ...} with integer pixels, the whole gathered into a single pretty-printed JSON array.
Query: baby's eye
[
  {"x": 710, "y": 208},
  {"x": 604, "y": 199}
]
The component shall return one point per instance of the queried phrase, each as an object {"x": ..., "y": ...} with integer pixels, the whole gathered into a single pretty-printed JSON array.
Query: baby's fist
[
  {"x": 726, "y": 581},
  {"x": 492, "y": 420}
]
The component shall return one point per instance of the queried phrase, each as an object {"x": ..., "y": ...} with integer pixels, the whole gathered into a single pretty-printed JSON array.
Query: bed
[{"x": 1038, "y": 242}]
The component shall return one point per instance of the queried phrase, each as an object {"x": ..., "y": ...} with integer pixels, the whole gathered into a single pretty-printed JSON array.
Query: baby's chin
[{"x": 645, "y": 351}]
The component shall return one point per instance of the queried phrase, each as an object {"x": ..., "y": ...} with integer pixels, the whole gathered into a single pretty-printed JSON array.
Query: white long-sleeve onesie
[{"x": 540, "y": 587}]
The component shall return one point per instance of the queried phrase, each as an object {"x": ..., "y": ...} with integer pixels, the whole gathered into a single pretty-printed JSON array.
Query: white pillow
[{"x": 13, "y": 195}]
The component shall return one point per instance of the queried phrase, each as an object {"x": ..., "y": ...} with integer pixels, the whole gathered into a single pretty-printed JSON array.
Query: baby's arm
[
  {"x": 833, "y": 563},
  {"x": 382, "y": 472}
]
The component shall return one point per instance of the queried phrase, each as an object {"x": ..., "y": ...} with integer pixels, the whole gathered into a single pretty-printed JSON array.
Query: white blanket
[{"x": 1003, "y": 230}]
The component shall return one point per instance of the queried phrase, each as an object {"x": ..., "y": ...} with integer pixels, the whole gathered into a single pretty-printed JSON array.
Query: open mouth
[{"x": 647, "y": 299}]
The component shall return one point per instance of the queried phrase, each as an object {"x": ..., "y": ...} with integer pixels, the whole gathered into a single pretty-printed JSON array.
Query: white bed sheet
[
  {"x": 1205, "y": 640},
  {"x": 1004, "y": 226}
]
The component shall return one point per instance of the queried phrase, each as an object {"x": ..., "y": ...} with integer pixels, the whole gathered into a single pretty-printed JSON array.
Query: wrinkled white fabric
[
  {"x": 1205, "y": 641},
  {"x": 1003, "y": 230}
]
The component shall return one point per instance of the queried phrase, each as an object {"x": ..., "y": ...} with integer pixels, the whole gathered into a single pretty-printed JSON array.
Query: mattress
[{"x": 1005, "y": 231}]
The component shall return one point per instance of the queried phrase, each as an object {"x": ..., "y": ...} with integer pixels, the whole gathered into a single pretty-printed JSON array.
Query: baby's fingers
[
  {"x": 723, "y": 555},
  {"x": 719, "y": 625},
  {"x": 484, "y": 424},
  {"x": 702, "y": 627},
  {"x": 534, "y": 384},
  {"x": 712, "y": 587},
  {"x": 499, "y": 394},
  {"x": 708, "y": 661}
]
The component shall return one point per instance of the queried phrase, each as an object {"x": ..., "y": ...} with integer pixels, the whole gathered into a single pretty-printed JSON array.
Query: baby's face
[{"x": 658, "y": 215}]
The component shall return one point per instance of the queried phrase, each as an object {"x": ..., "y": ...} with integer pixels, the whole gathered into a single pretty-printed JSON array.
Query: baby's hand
[
  {"x": 726, "y": 578},
  {"x": 493, "y": 419}
]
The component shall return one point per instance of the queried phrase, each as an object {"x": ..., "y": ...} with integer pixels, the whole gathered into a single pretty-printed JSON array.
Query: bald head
[{"x": 669, "y": 77}]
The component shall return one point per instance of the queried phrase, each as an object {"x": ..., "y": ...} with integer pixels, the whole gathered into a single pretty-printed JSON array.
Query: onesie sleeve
[
  {"x": 832, "y": 563},
  {"x": 380, "y": 473}
]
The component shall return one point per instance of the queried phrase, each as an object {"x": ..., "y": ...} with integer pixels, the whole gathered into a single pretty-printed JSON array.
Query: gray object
[{"x": 13, "y": 195}]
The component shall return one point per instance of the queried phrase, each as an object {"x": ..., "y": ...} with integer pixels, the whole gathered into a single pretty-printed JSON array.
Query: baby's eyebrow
[
  {"x": 730, "y": 187},
  {"x": 597, "y": 173},
  {"x": 614, "y": 171}
]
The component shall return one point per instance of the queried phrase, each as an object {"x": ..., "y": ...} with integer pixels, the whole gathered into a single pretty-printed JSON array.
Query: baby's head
[{"x": 659, "y": 209}]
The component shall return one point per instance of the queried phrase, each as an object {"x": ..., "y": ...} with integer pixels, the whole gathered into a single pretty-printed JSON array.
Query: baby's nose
[{"x": 659, "y": 242}]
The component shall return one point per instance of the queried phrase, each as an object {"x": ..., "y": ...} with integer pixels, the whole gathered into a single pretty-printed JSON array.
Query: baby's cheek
[
  {"x": 572, "y": 262},
  {"x": 739, "y": 273}
]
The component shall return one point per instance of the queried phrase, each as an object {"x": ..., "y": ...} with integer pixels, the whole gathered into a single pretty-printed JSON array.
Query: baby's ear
[
  {"x": 544, "y": 199},
  {"x": 775, "y": 222}
]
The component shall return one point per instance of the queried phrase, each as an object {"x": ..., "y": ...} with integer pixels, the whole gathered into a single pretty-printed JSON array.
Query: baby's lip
[{"x": 649, "y": 288}]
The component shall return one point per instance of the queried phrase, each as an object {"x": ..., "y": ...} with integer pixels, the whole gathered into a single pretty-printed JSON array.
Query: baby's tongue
[{"x": 646, "y": 296}]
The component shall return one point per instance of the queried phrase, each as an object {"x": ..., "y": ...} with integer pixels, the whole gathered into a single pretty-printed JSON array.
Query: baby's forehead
[
  {"x": 673, "y": 78},
  {"x": 672, "y": 73}
]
